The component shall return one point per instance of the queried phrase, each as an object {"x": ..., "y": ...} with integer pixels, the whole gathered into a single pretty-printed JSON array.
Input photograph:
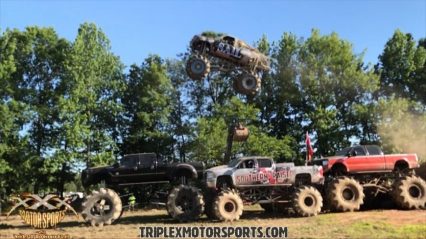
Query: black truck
[
  {"x": 148, "y": 174},
  {"x": 142, "y": 168}
]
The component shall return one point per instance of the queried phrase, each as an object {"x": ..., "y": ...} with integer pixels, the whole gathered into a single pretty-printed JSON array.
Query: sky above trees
[{"x": 139, "y": 28}]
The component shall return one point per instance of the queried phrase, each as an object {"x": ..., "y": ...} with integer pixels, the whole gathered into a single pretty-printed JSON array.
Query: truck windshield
[{"x": 233, "y": 163}]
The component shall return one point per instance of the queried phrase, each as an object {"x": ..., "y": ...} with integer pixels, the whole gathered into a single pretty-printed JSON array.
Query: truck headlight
[
  {"x": 325, "y": 163},
  {"x": 209, "y": 175}
]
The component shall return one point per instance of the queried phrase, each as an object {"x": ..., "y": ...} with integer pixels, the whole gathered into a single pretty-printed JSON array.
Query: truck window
[
  {"x": 343, "y": 152},
  {"x": 264, "y": 163},
  {"x": 374, "y": 150},
  {"x": 129, "y": 161},
  {"x": 359, "y": 150},
  {"x": 146, "y": 160},
  {"x": 247, "y": 164}
]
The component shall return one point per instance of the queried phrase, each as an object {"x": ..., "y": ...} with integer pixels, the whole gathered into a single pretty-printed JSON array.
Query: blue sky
[{"x": 139, "y": 28}]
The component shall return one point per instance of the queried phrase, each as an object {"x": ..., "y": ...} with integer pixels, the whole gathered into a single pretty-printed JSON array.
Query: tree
[
  {"x": 333, "y": 81},
  {"x": 90, "y": 109},
  {"x": 147, "y": 101},
  {"x": 401, "y": 65}
]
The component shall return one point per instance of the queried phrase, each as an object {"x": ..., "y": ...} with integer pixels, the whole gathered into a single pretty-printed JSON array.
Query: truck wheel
[
  {"x": 307, "y": 201},
  {"x": 197, "y": 67},
  {"x": 267, "y": 207},
  {"x": 185, "y": 203},
  {"x": 228, "y": 206},
  {"x": 209, "y": 198},
  {"x": 247, "y": 84},
  {"x": 345, "y": 194},
  {"x": 410, "y": 192},
  {"x": 102, "y": 207}
]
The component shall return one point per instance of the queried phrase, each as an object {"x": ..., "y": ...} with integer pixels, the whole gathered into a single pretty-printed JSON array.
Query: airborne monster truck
[
  {"x": 226, "y": 53},
  {"x": 152, "y": 177},
  {"x": 254, "y": 180},
  {"x": 356, "y": 170}
]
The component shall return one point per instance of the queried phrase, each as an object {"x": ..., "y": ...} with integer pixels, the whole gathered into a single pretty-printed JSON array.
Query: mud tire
[
  {"x": 185, "y": 203},
  {"x": 247, "y": 84},
  {"x": 409, "y": 192},
  {"x": 95, "y": 210},
  {"x": 197, "y": 67},
  {"x": 307, "y": 201},
  {"x": 228, "y": 206},
  {"x": 345, "y": 194}
]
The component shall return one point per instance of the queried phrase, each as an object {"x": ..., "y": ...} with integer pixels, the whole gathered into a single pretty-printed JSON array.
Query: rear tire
[
  {"x": 197, "y": 67},
  {"x": 228, "y": 206},
  {"x": 102, "y": 207},
  {"x": 345, "y": 194},
  {"x": 307, "y": 201},
  {"x": 209, "y": 198},
  {"x": 409, "y": 192},
  {"x": 247, "y": 84},
  {"x": 185, "y": 203}
]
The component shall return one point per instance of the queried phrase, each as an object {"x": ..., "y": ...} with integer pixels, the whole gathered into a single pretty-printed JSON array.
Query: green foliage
[
  {"x": 147, "y": 101},
  {"x": 66, "y": 105},
  {"x": 402, "y": 67}
]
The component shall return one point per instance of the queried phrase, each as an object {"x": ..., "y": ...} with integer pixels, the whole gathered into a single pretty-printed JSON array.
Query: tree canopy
[{"x": 66, "y": 105}]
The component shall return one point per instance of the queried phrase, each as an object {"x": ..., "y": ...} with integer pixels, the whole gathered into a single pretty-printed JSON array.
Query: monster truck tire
[
  {"x": 409, "y": 192},
  {"x": 247, "y": 84},
  {"x": 228, "y": 206},
  {"x": 197, "y": 67},
  {"x": 345, "y": 194},
  {"x": 102, "y": 207},
  {"x": 185, "y": 203},
  {"x": 267, "y": 207},
  {"x": 307, "y": 201},
  {"x": 209, "y": 198}
]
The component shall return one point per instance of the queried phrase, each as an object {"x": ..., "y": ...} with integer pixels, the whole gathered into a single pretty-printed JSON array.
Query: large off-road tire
[
  {"x": 409, "y": 192},
  {"x": 345, "y": 194},
  {"x": 247, "y": 84},
  {"x": 209, "y": 199},
  {"x": 185, "y": 203},
  {"x": 197, "y": 67},
  {"x": 228, "y": 206},
  {"x": 102, "y": 207},
  {"x": 307, "y": 201}
]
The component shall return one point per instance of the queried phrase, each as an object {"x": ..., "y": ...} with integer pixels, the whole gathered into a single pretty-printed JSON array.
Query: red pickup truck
[{"x": 366, "y": 159}]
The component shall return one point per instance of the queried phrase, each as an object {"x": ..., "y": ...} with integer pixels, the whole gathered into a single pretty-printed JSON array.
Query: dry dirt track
[{"x": 366, "y": 224}]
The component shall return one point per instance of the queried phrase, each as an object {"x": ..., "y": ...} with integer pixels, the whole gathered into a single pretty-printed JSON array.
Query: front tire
[
  {"x": 409, "y": 192},
  {"x": 345, "y": 194},
  {"x": 307, "y": 201},
  {"x": 102, "y": 207},
  {"x": 185, "y": 203},
  {"x": 228, "y": 206},
  {"x": 197, "y": 67}
]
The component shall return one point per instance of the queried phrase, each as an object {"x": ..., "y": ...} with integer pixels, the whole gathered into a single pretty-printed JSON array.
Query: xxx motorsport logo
[{"x": 41, "y": 212}]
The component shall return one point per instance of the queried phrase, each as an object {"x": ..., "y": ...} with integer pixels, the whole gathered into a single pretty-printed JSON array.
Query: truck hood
[{"x": 219, "y": 170}]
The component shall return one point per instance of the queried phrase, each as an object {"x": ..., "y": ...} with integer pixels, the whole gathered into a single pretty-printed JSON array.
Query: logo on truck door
[
  {"x": 265, "y": 176},
  {"x": 229, "y": 50}
]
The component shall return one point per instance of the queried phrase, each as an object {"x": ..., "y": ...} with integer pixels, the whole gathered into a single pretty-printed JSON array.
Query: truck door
[
  {"x": 266, "y": 171},
  {"x": 361, "y": 161},
  {"x": 245, "y": 173},
  {"x": 146, "y": 169}
]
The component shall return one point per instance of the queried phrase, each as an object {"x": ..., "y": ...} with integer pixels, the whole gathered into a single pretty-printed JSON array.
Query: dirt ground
[{"x": 365, "y": 224}]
